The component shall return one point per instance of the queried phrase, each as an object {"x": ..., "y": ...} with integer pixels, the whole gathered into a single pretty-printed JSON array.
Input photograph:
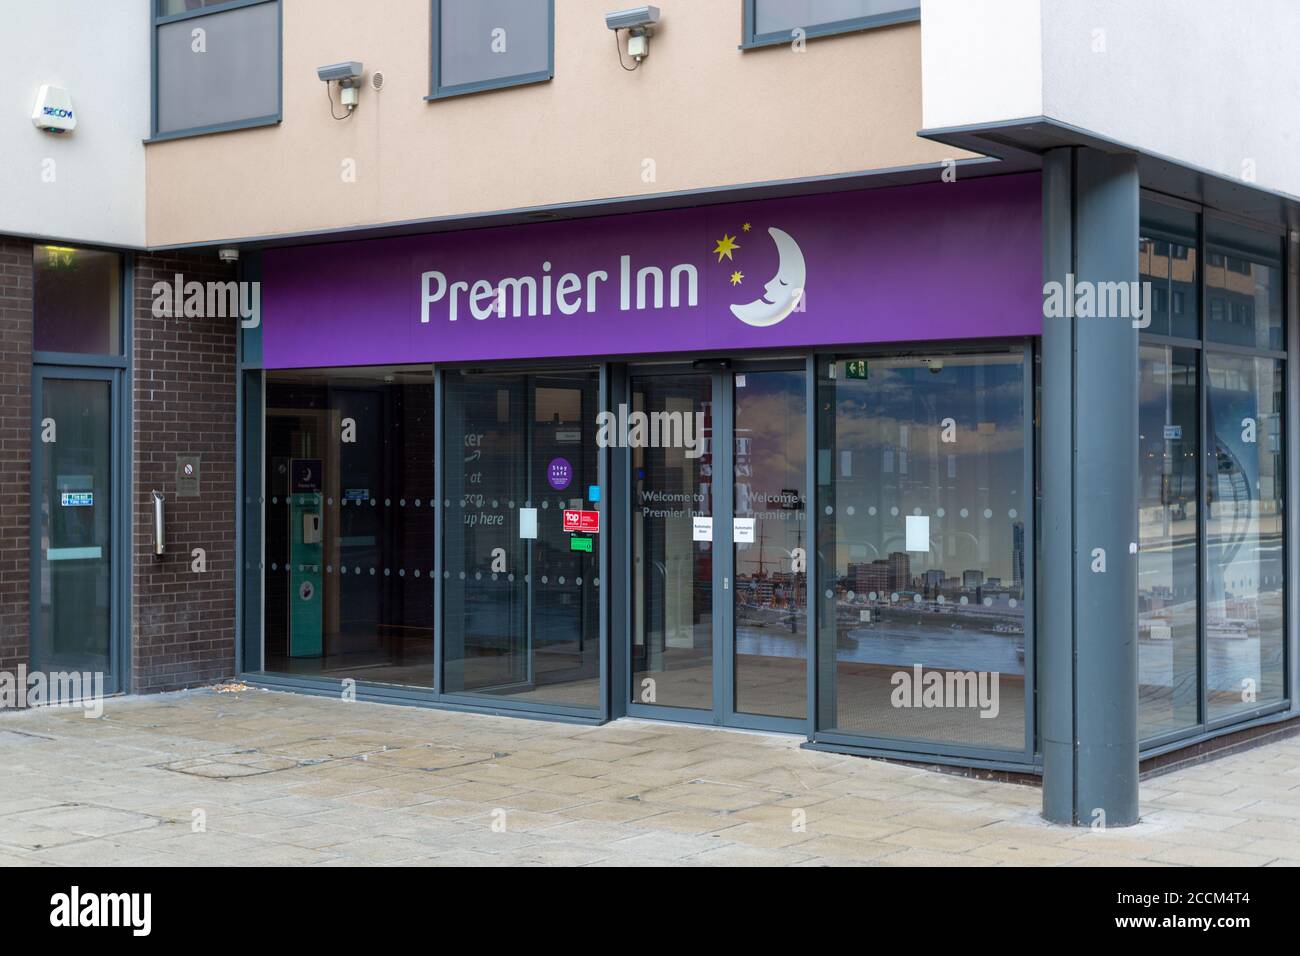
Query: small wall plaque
[{"x": 187, "y": 475}]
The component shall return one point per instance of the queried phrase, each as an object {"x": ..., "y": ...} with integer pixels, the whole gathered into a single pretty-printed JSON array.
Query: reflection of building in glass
[
  {"x": 870, "y": 578},
  {"x": 900, "y": 570},
  {"x": 972, "y": 579}
]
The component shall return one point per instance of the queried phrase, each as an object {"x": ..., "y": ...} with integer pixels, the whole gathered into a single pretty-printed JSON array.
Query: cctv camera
[
  {"x": 348, "y": 71},
  {"x": 638, "y": 18}
]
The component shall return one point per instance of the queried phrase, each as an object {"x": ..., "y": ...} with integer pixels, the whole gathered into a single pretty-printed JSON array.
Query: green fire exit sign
[
  {"x": 856, "y": 368},
  {"x": 580, "y": 544}
]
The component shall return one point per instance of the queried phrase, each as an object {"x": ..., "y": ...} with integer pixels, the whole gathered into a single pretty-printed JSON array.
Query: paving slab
[{"x": 267, "y": 778}]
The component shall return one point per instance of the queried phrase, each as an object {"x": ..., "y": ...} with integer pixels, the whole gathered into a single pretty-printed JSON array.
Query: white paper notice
[
  {"x": 918, "y": 532},
  {"x": 742, "y": 531},
  {"x": 701, "y": 529},
  {"x": 527, "y": 522}
]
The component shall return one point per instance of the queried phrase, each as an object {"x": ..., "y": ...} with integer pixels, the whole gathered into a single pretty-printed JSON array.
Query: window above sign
[
  {"x": 216, "y": 66},
  {"x": 479, "y": 45},
  {"x": 770, "y": 22}
]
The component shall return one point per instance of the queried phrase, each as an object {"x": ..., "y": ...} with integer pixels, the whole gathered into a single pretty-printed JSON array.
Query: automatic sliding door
[
  {"x": 770, "y": 619},
  {"x": 672, "y": 540}
]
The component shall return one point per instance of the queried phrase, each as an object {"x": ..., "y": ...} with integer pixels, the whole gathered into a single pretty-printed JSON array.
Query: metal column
[{"x": 1088, "y": 607}]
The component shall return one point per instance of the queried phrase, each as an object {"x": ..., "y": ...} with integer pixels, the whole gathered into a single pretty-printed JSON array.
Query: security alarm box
[{"x": 53, "y": 110}]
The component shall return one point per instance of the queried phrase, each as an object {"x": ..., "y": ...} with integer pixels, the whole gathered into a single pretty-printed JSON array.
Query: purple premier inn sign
[{"x": 940, "y": 261}]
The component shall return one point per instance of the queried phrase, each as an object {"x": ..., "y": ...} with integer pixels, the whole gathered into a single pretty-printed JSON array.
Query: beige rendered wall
[{"x": 703, "y": 111}]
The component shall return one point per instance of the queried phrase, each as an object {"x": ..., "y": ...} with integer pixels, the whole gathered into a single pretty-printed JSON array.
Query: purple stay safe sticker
[{"x": 559, "y": 473}]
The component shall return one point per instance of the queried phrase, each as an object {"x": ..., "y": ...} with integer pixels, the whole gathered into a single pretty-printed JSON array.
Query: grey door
[{"x": 76, "y": 522}]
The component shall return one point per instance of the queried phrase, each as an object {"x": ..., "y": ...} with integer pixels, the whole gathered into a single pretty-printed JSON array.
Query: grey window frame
[
  {"x": 158, "y": 19},
  {"x": 1207, "y": 728},
  {"x": 439, "y": 92},
  {"x": 754, "y": 40}
]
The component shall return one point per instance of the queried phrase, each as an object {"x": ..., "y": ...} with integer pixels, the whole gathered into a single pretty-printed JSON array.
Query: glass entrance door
[
  {"x": 75, "y": 520},
  {"x": 719, "y": 625},
  {"x": 673, "y": 607},
  {"x": 768, "y": 630}
]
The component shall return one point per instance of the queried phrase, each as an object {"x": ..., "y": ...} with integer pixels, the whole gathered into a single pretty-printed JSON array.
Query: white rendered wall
[
  {"x": 88, "y": 185},
  {"x": 1209, "y": 83},
  {"x": 981, "y": 61}
]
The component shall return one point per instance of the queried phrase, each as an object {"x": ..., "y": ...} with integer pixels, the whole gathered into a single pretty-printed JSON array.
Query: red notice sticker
[{"x": 587, "y": 522}]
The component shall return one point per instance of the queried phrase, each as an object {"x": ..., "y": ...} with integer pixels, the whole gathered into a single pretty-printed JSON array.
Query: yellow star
[
  {"x": 737, "y": 277},
  {"x": 726, "y": 246},
  {"x": 746, "y": 227}
]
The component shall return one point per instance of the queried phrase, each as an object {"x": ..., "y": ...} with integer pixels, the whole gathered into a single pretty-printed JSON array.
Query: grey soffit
[
  {"x": 1018, "y": 140},
  {"x": 975, "y": 167}
]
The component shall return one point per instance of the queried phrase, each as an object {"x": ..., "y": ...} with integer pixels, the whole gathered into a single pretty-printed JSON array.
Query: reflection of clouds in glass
[
  {"x": 855, "y": 433},
  {"x": 889, "y": 453},
  {"x": 771, "y": 426},
  {"x": 777, "y": 426}
]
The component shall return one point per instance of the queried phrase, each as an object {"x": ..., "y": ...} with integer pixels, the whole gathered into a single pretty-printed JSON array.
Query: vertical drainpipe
[{"x": 1088, "y": 609}]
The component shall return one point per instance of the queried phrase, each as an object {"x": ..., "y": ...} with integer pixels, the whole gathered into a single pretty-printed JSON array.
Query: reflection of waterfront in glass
[
  {"x": 921, "y": 470},
  {"x": 771, "y": 593}
]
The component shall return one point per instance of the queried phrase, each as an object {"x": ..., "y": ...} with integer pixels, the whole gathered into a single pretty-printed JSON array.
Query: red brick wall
[
  {"x": 15, "y": 446},
  {"x": 183, "y": 628}
]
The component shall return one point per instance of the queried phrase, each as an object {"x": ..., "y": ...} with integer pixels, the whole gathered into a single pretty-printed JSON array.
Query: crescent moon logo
[{"x": 782, "y": 295}]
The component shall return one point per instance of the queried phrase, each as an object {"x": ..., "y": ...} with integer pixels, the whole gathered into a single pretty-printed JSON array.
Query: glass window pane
[
  {"x": 782, "y": 16},
  {"x": 1167, "y": 260},
  {"x": 77, "y": 300},
  {"x": 1168, "y": 632},
  {"x": 672, "y": 572},
  {"x": 922, "y": 538},
  {"x": 1244, "y": 529},
  {"x": 236, "y": 75},
  {"x": 1243, "y": 286},
  {"x": 520, "y": 593},
  {"x": 349, "y": 530},
  {"x": 483, "y": 40}
]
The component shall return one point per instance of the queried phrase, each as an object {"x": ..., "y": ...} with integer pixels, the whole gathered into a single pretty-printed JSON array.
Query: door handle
[{"x": 159, "y": 546}]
